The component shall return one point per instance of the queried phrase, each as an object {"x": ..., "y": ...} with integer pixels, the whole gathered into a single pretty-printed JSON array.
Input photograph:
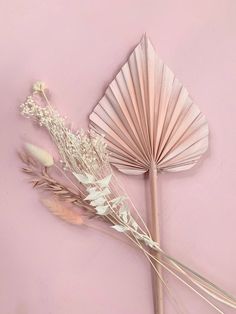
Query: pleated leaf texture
[{"x": 148, "y": 116}]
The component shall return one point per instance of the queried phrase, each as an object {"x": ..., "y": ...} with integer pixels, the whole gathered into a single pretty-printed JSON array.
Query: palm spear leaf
[{"x": 151, "y": 124}]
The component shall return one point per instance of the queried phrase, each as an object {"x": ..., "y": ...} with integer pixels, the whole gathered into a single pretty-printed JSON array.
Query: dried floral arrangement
[{"x": 82, "y": 188}]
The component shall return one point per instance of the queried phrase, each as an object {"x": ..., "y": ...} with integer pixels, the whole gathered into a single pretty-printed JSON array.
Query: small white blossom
[
  {"x": 39, "y": 86},
  {"x": 80, "y": 152}
]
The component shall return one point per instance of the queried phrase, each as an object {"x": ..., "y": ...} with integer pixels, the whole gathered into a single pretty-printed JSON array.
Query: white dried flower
[
  {"x": 40, "y": 155},
  {"x": 39, "y": 86},
  {"x": 80, "y": 152}
]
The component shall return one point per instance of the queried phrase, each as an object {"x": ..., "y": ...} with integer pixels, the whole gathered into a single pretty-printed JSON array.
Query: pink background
[{"x": 76, "y": 47}]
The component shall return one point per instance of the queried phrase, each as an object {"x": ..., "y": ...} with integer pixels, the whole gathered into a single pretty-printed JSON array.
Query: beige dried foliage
[
  {"x": 77, "y": 159},
  {"x": 41, "y": 178}
]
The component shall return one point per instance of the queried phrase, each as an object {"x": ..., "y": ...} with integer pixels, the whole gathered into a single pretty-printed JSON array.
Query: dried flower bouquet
[{"x": 88, "y": 190}]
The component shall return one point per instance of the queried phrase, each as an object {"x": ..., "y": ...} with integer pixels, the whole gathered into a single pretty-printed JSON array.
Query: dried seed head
[
  {"x": 39, "y": 86},
  {"x": 40, "y": 154}
]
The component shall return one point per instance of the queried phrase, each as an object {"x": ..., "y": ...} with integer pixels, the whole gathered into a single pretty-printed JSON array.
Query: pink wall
[{"x": 47, "y": 266}]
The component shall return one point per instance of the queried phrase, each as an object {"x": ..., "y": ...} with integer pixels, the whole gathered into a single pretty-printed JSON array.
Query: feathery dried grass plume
[
  {"x": 40, "y": 154},
  {"x": 62, "y": 211},
  {"x": 92, "y": 186}
]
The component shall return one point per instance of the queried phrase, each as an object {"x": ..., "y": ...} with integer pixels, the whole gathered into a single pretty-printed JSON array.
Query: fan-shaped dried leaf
[{"x": 147, "y": 115}]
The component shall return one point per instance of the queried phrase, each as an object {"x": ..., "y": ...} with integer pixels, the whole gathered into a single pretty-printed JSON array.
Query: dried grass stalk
[{"x": 41, "y": 178}]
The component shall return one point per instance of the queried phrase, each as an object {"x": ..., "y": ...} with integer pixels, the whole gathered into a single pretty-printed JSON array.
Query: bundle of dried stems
[{"x": 88, "y": 189}]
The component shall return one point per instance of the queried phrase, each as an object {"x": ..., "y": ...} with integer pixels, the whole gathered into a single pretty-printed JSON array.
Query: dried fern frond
[{"x": 41, "y": 178}]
